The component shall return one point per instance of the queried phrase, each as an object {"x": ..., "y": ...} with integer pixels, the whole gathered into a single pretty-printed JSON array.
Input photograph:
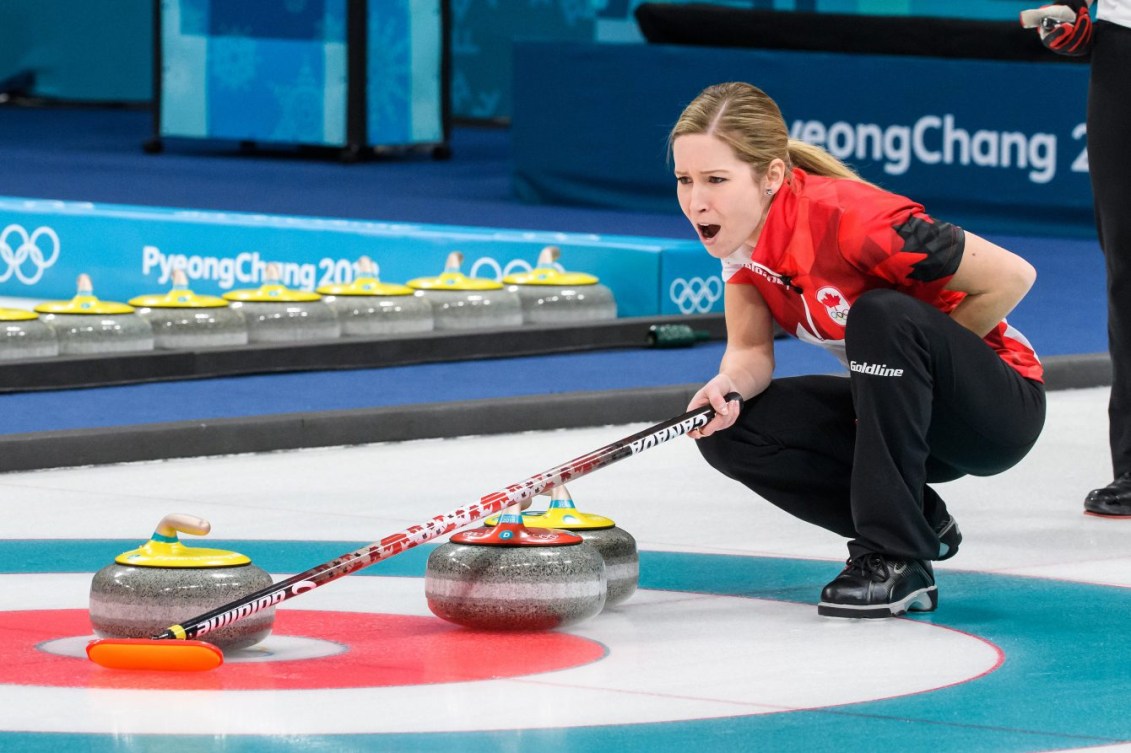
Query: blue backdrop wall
[
  {"x": 972, "y": 140},
  {"x": 103, "y": 50}
]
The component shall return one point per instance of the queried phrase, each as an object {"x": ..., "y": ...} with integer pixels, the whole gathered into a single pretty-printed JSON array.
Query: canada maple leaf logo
[
  {"x": 836, "y": 306},
  {"x": 832, "y": 300}
]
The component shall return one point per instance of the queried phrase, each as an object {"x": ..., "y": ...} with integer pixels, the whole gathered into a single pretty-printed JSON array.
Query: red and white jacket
[{"x": 828, "y": 240}]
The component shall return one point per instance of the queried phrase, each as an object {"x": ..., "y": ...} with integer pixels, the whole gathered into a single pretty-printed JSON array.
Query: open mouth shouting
[{"x": 707, "y": 232}]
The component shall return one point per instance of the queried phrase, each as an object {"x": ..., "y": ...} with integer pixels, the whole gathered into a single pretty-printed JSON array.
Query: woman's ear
[{"x": 775, "y": 175}]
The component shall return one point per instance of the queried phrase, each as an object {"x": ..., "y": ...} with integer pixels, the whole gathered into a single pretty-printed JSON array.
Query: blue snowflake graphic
[
  {"x": 233, "y": 59},
  {"x": 300, "y": 108},
  {"x": 390, "y": 54}
]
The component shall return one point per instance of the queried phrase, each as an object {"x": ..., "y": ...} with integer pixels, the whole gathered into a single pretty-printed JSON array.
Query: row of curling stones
[
  {"x": 163, "y": 582},
  {"x": 510, "y": 576},
  {"x": 274, "y": 313},
  {"x": 85, "y": 325},
  {"x": 177, "y": 319},
  {"x": 369, "y": 307},
  {"x": 450, "y": 301},
  {"x": 544, "y": 295}
]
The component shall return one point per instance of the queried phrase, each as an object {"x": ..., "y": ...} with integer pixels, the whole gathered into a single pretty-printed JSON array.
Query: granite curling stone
[
  {"x": 550, "y": 295},
  {"x": 85, "y": 325},
  {"x": 460, "y": 302},
  {"x": 163, "y": 583},
  {"x": 510, "y": 577},
  {"x": 368, "y": 307},
  {"x": 181, "y": 319},
  {"x": 24, "y": 335},
  {"x": 277, "y": 314},
  {"x": 615, "y": 545}
]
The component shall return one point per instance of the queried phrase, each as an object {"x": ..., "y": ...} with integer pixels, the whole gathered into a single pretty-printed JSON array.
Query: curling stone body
[
  {"x": 565, "y": 304},
  {"x": 24, "y": 335},
  {"x": 162, "y": 583},
  {"x": 550, "y": 295},
  {"x": 181, "y": 319},
  {"x": 370, "y": 308},
  {"x": 373, "y": 316},
  {"x": 615, "y": 545},
  {"x": 276, "y": 314},
  {"x": 515, "y": 587},
  {"x": 460, "y": 302},
  {"x": 622, "y": 561},
  {"x": 189, "y": 328},
  {"x": 93, "y": 334},
  {"x": 86, "y": 325},
  {"x": 140, "y": 602},
  {"x": 468, "y": 310}
]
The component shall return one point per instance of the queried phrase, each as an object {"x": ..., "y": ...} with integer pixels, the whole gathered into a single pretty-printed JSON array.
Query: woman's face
[{"x": 723, "y": 197}]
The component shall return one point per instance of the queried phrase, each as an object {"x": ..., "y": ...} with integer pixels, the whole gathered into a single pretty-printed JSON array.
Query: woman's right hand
[{"x": 714, "y": 393}]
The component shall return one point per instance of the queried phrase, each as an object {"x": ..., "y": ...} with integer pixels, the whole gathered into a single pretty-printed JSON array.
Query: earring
[{"x": 769, "y": 192}]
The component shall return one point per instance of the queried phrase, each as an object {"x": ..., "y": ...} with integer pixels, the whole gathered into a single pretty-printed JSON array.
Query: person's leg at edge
[{"x": 1109, "y": 122}]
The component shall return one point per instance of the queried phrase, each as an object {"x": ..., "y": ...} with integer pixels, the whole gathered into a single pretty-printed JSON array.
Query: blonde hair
[{"x": 745, "y": 118}]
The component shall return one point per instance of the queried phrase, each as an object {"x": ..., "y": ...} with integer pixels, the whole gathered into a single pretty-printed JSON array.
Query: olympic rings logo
[
  {"x": 498, "y": 271},
  {"x": 27, "y": 249},
  {"x": 695, "y": 296}
]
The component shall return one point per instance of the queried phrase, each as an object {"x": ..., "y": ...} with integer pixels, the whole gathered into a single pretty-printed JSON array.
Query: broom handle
[{"x": 401, "y": 541}]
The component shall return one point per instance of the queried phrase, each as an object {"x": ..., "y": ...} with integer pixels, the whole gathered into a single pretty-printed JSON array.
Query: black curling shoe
[
  {"x": 1113, "y": 500},
  {"x": 873, "y": 585}
]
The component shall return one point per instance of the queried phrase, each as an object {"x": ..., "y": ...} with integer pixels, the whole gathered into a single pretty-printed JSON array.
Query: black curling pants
[
  {"x": 1109, "y": 162},
  {"x": 927, "y": 401}
]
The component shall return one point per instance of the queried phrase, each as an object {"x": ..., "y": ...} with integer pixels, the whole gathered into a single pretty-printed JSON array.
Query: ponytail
[{"x": 815, "y": 160}]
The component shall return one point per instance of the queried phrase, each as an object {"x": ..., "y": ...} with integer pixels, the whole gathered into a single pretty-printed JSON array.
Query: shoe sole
[
  {"x": 923, "y": 600},
  {"x": 1101, "y": 514}
]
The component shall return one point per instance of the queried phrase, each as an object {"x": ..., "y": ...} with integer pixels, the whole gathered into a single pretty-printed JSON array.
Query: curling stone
[
  {"x": 368, "y": 307},
  {"x": 163, "y": 582},
  {"x": 615, "y": 545},
  {"x": 460, "y": 302},
  {"x": 510, "y": 577},
  {"x": 275, "y": 313},
  {"x": 85, "y": 325},
  {"x": 23, "y": 335},
  {"x": 183, "y": 319},
  {"x": 550, "y": 295}
]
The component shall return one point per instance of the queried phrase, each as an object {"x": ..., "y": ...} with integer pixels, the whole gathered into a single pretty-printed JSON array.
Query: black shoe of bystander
[{"x": 1113, "y": 500}]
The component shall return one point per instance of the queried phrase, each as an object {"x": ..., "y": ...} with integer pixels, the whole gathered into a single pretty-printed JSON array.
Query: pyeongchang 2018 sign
[
  {"x": 941, "y": 140},
  {"x": 967, "y": 138},
  {"x": 994, "y": 146}
]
